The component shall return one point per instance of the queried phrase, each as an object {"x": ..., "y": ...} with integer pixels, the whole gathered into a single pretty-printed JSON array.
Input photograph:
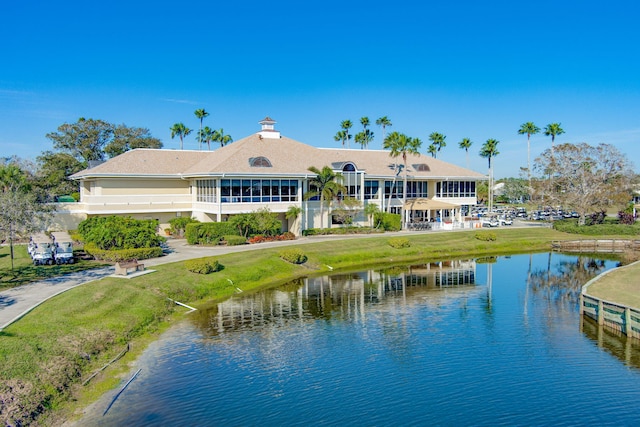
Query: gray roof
[{"x": 286, "y": 156}]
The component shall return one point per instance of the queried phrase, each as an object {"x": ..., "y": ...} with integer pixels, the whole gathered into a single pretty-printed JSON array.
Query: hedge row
[
  {"x": 208, "y": 233},
  {"x": 569, "y": 226},
  {"x": 339, "y": 230},
  {"x": 121, "y": 254}
]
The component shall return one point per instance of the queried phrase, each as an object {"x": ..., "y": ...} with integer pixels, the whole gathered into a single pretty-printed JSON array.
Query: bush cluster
[
  {"x": 179, "y": 225},
  {"x": 486, "y": 236},
  {"x": 387, "y": 221},
  {"x": 202, "y": 266},
  {"x": 571, "y": 226},
  {"x": 340, "y": 230},
  {"x": 233, "y": 240},
  {"x": 260, "y": 238},
  {"x": 294, "y": 256},
  {"x": 116, "y": 255},
  {"x": 399, "y": 242},
  {"x": 208, "y": 233},
  {"x": 116, "y": 232}
]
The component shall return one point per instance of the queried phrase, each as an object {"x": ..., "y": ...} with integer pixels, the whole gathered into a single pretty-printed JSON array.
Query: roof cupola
[{"x": 268, "y": 130}]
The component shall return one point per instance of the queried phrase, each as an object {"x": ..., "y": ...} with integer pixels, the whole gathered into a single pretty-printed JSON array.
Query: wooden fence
[
  {"x": 609, "y": 314},
  {"x": 605, "y": 245}
]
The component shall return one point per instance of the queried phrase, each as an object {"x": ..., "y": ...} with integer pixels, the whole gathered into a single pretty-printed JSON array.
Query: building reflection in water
[{"x": 344, "y": 297}]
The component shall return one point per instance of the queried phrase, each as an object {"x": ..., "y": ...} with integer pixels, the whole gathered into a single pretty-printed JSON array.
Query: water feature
[{"x": 495, "y": 341}]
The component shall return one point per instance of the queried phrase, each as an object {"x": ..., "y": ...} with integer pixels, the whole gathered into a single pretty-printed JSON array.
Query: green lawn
[{"x": 45, "y": 356}]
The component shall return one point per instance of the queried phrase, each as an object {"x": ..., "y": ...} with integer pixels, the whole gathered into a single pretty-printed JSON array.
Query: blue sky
[{"x": 465, "y": 69}]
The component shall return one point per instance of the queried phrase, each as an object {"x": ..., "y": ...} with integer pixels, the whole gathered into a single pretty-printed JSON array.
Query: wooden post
[
  {"x": 600, "y": 313},
  {"x": 581, "y": 304},
  {"x": 627, "y": 322}
]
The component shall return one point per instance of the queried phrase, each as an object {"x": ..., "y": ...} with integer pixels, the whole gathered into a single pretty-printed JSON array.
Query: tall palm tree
[
  {"x": 489, "y": 150},
  {"x": 400, "y": 144},
  {"x": 364, "y": 121},
  {"x": 431, "y": 149},
  {"x": 529, "y": 129},
  {"x": 180, "y": 130},
  {"x": 206, "y": 135},
  {"x": 364, "y": 138},
  {"x": 437, "y": 139},
  {"x": 341, "y": 136},
  {"x": 219, "y": 136},
  {"x": 383, "y": 122},
  {"x": 465, "y": 144},
  {"x": 346, "y": 125},
  {"x": 201, "y": 114},
  {"x": 553, "y": 130},
  {"x": 327, "y": 184}
]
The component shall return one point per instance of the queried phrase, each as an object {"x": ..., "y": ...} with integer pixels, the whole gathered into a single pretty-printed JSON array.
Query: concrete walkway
[{"x": 18, "y": 301}]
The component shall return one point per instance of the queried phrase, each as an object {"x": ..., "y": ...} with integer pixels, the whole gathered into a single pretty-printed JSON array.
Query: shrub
[
  {"x": 571, "y": 226},
  {"x": 287, "y": 235},
  {"x": 179, "y": 224},
  {"x": 626, "y": 218},
  {"x": 202, "y": 266},
  {"x": 399, "y": 243},
  {"x": 341, "y": 230},
  {"x": 486, "y": 236},
  {"x": 294, "y": 256},
  {"x": 116, "y": 232},
  {"x": 208, "y": 233},
  {"x": 234, "y": 240},
  {"x": 387, "y": 221},
  {"x": 116, "y": 255}
]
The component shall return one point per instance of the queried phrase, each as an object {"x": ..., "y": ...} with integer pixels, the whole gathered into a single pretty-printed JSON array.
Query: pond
[{"x": 495, "y": 341}]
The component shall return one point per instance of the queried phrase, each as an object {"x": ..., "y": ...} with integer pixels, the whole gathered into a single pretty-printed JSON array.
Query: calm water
[{"x": 478, "y": 342}]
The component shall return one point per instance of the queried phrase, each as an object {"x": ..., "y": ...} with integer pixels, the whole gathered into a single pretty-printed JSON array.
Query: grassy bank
[{"x": 45, "y": 356}]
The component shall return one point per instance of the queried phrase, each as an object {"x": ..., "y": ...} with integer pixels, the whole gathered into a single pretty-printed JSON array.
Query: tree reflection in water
[{"x": 563, "y": 283}]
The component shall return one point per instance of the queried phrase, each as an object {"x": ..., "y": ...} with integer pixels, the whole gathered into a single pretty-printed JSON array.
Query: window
[
  {"x": 206, "y": 190},
  {"x": 371, "y": 189},
  {"x": 421, "y": 167},
  {"x": 456, "y": 189},
  {"x": 417, "y": 189},
  {"x": 258, "y": 190},
  {"x": 397, "y": 189},
  {"x": 259, "y": 162}
]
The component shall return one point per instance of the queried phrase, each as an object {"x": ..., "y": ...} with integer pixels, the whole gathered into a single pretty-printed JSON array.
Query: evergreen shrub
[
  {"x": 202, "y": 266},
  {"x": 294, "y": 256},
  {"x": 208, "y": 233}
]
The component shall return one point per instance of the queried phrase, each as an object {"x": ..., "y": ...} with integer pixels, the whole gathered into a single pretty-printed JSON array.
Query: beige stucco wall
[{"x": 111, "y": 186}]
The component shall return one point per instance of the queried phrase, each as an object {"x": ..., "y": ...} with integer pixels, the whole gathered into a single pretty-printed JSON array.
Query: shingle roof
[{"x": 287, "y": 157}]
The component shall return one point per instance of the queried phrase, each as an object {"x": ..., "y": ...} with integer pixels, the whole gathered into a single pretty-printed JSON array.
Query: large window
[
  {"x": 206, "y": 190},
  {"x": 371, "y": 189},
  {"x": 397, "y": 189},
  {"x": 456, "y": 189},
  {"x": 258, "y": 190},
  {"x": 417, "y": 189}
]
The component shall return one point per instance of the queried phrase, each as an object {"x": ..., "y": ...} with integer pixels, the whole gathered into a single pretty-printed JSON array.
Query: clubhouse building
[{"x": 268, "y": 170}]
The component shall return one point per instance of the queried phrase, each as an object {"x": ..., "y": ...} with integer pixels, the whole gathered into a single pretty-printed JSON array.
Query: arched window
[
  {"x": 259, "y": 162},
  {"x": 421, "y": 167},
  {"x": 349, "y": 167}
]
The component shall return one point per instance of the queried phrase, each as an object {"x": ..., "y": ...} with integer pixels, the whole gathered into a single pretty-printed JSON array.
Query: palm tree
[
  {"x": 431, "y": 149},
  {"x": 206, "y": 134},
  {"x": 292, "y": 214},
  {"x": 341, "y": 136},
  {"x": 489, "y": 150},
  {"x": 326, "y": 184},
  {"x": 465, "y": 144},
  {"x": 370, "y": 210},
  {"x": 219, "y": 136},
  {"x": 401, "y": 145},
  {"x": 553, "y": 130},
  {"x": 181, "y": 131},
  {"x": 437, "y": 140},
  {"x": 201, "y": 114},
  {"x": 529, "y": 129},
  {"x": 365, "y": 122},
  {"x": 383, "y": 122},
  {"x": 364, "y": 138},
  {"x": 346, "y": 125}
]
